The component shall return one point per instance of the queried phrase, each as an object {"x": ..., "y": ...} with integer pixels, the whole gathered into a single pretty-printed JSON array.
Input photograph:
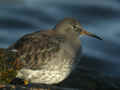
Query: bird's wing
[{"x": 35, "y": 49}]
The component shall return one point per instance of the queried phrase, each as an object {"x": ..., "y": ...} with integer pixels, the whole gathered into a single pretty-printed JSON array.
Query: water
[{"x": 101, "y": 17}]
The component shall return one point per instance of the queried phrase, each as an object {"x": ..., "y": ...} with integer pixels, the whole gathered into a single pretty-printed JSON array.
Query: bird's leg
[{"x": 18, "y": 81}]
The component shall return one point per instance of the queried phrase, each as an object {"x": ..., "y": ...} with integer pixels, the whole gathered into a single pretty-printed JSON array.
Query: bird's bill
[{"x": 84, "y": 32}]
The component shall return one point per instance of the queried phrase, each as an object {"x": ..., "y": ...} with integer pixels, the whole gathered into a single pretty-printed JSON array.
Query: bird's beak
[{"x": 84, "y": 32}]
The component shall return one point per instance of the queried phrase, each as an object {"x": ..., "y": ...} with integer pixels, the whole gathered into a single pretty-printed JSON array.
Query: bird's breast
[{"x": 56, "y": 70}]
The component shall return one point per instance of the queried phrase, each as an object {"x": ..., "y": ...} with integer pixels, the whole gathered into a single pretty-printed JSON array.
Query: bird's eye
[
  {"x": 77, "y": 28},
  {"x": 74, "y": 26}
]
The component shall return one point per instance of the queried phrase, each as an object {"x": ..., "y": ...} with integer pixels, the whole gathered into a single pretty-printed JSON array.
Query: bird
[{"x": 49, "y": 56}]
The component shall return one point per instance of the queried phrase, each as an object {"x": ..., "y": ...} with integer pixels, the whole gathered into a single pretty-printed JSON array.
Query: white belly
[{"x": 43, "y": 76}]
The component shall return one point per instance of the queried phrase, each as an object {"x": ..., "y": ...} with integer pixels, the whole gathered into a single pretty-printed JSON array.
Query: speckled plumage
[{"x": 49, "y": 56}]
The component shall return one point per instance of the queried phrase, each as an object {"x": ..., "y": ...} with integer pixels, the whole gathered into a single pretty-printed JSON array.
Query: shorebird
[{"x": 49, "y": 56}]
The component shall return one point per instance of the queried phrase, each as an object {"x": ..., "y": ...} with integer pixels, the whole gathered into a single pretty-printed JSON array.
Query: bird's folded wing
[{"x": 34, "y": 49}]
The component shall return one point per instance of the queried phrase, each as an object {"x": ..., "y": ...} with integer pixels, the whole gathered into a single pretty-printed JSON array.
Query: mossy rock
[{"x": 8, "y": 65}]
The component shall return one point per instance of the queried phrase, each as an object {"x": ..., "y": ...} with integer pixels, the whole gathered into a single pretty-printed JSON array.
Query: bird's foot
[{"x": 18, "y": 81}]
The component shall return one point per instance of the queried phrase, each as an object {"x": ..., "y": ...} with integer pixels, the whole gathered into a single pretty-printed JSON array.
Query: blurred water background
[{"x": 102, "y": 17}]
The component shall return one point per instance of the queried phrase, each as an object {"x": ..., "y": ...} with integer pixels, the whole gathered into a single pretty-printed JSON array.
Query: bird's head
[{"x": 70, "y": 26}]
